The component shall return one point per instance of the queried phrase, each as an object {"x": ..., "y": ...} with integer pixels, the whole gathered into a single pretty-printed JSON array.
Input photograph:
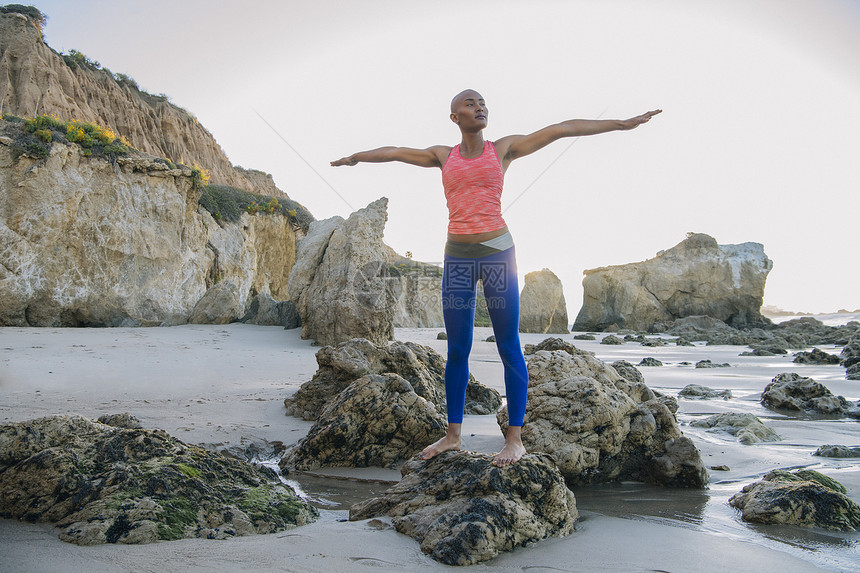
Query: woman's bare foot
[
  {"x": 451, "y": 441},
  {"x": 514, "y": 448}
]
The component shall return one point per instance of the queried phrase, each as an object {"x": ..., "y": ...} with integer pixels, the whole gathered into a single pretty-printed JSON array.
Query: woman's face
[{"x": 469, "y": 111}]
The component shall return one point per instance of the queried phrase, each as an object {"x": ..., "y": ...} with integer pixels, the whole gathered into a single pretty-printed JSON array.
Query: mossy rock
[{"x": 105, "y": 484}]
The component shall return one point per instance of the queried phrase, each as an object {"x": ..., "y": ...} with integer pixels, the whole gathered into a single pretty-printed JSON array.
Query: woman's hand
[
  {"x": 350, "y": 161},
  {"x": 635, "y": 122}
]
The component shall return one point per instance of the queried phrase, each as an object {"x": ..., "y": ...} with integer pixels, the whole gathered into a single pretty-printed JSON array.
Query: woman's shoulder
[{"x": 442, "y": 153}]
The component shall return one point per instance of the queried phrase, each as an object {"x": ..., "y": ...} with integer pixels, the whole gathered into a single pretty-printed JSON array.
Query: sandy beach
[{"x": 224, "y": 386}]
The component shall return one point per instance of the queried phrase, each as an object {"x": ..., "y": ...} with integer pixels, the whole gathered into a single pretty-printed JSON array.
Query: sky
[{"x": 759, "y": 140}]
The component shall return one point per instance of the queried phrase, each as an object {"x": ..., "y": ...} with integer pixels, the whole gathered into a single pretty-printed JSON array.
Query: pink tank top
[{"x": 473, "y": 189}]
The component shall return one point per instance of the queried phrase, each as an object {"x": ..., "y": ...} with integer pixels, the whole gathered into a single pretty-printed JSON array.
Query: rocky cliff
[
  {"x": 695, "y": 277},
  {"x": 36, "y": 80},
  {"x": 95, "y": 241}
]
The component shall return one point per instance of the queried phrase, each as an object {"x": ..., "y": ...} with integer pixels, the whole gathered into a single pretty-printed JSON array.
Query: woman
[{"x": 480, "y": 247}]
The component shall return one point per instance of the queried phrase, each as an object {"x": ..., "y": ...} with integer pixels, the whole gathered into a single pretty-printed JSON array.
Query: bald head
[{"x": 463, "y": 96}]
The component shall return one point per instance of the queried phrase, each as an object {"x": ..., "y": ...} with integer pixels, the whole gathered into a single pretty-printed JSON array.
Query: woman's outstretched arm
[
  {"x": 431, "y": 157},
  {"x": 516, "y": 146}
]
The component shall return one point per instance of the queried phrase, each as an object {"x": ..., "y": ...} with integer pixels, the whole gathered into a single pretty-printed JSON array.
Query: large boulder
[
  {"x": 746, "y": 427},
  {"x": 542, "y": 306},
  {"x": 464, "y": 510},
  {"x": 107, "y": 484},
  {"x": 804, "y": 497},
  {"x": 421, "y": 366},
  {"x": 378, "y": 420},
  {"x": 602, "y": 427},
  {"x": 794, "y": 393},
  {"x": 696, "y": 277},
  {"x": 340, "y": 284}
]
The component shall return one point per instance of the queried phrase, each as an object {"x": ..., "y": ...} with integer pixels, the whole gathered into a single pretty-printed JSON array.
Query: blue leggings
[{"x": 498, "y": 273}]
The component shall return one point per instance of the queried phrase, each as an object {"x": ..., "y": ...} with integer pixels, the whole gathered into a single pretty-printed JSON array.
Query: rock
[
  {"x": 463, "y": 510},
  {"x": 696, "y": 277},
  {"x": 256, "y": 253},
  {"x": 442, "y": 336},
  {"x": 490, "y": 338},
  {"x": 653, "y": 342},
  {"x": 629, "y": 372},
  {"x": 584, "y": 337},
  {"x": 792, "y": 392},
  {"x": 421, "y": 366},
  {"x": 767, "y": 349},
  {"x": 812, "y": 331},
  {"x": 124, "y": 420},
  {"x": 611, "y": 339},
  {"x": 851, "y": 358},
  {"x": 709, "y": 364},
  {"x": 746, "y": 427},
  {"x": 633, "y": 385},
  {"x": 758, "y": 352},
  {"x": 104, "y": 484},
  {"x": 309, "y": 255},
  {"x": 851, "y": 352},
  {"x": 695, "y": 327},
  {"x": 601, "y": 427},
  {"x": 721, "y": 468},
  {"x": 648, "y": 361},
  {"x": 697, "y": 392},
  {"x": 830, "y": 451},
  {"x": 340, "y": 285},
  {"x": 816, "y": 356},
  {"x": 220, "y": 305},
  {"x": 797, "y": 334},
  {"x": 804, "y": 498},
  {"x": 555, "y": 343},
  {"x": 378, "y": 420},
  {"x": 266, "y": 311},
  {"x": 542, "y": 306},
  {"x": 418, "y": 287},
  {"x": 680, "y": 466},
  {"x": 669, "y": 401},
  {"x": 683, "y": 342}
]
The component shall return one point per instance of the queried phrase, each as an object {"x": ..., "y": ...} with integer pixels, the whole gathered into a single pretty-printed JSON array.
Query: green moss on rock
[{"x": 118, "y": 485}]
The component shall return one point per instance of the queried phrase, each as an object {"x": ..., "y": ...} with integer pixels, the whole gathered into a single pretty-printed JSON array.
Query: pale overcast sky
[{"x": 759, "y": 140}]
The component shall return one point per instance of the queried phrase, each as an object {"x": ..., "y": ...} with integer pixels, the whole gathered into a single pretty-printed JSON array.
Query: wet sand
[{"x": 223, "y": 387}]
